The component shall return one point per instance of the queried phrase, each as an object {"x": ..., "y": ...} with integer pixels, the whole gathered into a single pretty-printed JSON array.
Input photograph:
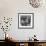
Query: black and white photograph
[{"x": 25, "y": 20}]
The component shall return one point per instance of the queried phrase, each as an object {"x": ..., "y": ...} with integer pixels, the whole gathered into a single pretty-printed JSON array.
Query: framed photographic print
[{"x": 25, "y": 20}]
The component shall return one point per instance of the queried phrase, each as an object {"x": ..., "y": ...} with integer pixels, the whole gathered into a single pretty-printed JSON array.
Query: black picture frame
[{"x": 25, "y": 20}]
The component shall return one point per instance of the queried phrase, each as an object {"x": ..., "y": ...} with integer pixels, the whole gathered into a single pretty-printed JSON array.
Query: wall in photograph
[{"x": 11, "y": 8}]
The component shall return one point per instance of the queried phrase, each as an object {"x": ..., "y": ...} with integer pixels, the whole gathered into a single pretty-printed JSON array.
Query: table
[{"x": 27, "y": 43}]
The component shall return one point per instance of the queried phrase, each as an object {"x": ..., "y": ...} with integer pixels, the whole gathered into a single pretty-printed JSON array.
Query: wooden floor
[
  {"x": 3, "y": 43},
  {"x": 19, "y": 43}
]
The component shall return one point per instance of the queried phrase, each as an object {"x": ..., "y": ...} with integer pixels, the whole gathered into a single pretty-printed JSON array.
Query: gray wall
[{"x": 11, "y": 8}]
